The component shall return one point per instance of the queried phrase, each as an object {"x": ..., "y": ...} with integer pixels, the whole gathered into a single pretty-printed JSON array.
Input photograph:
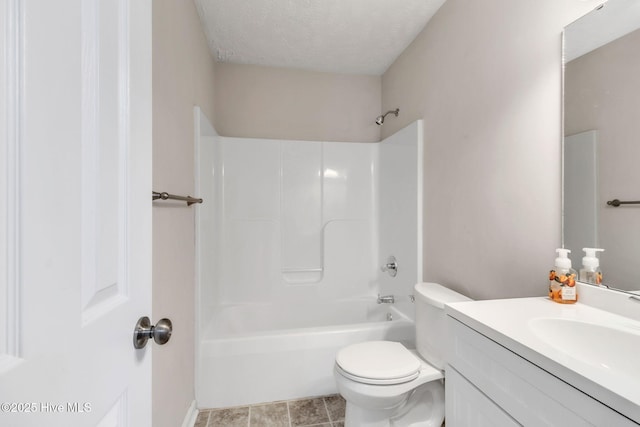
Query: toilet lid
[{"x": 378, "y": 361}]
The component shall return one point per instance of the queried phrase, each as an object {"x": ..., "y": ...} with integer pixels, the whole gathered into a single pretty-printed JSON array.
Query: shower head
[{"x": 380, "y": 119}]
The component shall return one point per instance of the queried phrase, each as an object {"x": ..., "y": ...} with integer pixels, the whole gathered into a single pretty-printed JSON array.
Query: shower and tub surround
[
  {"x": 299, "y": 226},
  {"x": 295, "y": 220}
]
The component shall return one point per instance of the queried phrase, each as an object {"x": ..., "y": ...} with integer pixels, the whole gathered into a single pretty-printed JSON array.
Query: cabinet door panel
[{"x": 468, "y": 406}]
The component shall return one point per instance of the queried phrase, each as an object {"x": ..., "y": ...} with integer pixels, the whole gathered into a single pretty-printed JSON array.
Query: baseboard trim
[{"x": 191, "y": 416}]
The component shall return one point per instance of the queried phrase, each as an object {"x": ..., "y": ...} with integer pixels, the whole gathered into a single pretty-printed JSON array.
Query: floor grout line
[
  {"x": 326, "y": 408},
  {"x": 288, "y": 413},
  {"x": 249, "y": 417}
]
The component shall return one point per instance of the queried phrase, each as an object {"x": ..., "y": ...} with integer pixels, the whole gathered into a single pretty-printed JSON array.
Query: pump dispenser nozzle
[
  {"x": 563, "y": 262},
  {"x": 590, "y": 259}
]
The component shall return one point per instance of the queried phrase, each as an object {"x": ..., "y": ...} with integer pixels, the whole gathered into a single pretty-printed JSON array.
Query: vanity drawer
[{"x": 530, "y": 395}]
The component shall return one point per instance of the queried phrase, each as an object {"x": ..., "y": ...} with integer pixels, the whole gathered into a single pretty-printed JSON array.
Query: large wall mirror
[{"x": 602, "y": 140}]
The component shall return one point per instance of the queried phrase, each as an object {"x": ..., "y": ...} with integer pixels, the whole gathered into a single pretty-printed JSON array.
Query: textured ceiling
[{"x": 341, "y": 36}]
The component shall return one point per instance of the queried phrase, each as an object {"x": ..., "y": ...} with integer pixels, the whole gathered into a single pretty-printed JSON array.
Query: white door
[{"x": 75, "y": 212}]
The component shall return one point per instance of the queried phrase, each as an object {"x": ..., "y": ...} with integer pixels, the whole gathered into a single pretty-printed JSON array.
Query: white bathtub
[{"x": 263, "y": 353}]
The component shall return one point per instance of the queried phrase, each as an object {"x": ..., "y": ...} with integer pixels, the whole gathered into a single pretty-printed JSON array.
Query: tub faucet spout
[{"x": 387, "y": 299}]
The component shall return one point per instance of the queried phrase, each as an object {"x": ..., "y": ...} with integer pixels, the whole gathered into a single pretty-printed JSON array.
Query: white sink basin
[{"x": 611, "y": 348}]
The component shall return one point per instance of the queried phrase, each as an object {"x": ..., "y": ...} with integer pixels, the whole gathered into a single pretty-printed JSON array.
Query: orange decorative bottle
[{"x": 562, "y": 279}]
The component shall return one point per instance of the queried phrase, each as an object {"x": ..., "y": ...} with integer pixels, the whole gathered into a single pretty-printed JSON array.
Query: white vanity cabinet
[{"x": 489, "y": 385}]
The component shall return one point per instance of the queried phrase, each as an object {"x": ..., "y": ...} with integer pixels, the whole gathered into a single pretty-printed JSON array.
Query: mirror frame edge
[{"x": 562, "y": 155}]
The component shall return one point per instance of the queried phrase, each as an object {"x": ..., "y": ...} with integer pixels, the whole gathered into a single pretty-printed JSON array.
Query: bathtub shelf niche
[{"x": 302, "y": 276}]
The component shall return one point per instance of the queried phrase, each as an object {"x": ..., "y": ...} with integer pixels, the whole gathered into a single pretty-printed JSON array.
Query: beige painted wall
[
  {"x": 602, "y": 90},
  {"x": 486, "y": 78},
  {"x": 183, "y": 72},
  {"x": 266, "y": 102}
]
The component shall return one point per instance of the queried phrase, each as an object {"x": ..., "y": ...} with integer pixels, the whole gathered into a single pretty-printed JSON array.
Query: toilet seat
[
  {"x": 378, "y": 363},
  {"x": 372, "y": 381}
]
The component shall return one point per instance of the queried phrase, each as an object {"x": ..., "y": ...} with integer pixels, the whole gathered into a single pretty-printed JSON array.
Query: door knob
[{"x": 144, "y": 330}]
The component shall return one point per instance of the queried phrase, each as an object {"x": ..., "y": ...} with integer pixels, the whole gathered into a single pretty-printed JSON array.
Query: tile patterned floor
[{"x": 325, "y": 411}]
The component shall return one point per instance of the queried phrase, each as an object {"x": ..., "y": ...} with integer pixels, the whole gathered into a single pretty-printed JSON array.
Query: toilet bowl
[{"x": 385, "y": 384}]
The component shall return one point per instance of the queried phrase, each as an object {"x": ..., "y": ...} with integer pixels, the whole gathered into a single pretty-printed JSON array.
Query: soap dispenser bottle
[
  {"x": 562, "y": 279},
  {"x": 590, "y": 271}
]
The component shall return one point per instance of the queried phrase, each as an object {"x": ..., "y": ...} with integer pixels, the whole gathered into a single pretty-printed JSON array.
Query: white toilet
[{"x": 385, "y": 384}]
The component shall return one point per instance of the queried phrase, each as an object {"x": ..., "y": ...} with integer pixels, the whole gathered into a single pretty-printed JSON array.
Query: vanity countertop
[{"x": 533, "y": 328}]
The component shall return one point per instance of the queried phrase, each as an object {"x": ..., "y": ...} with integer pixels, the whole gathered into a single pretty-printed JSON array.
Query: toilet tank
[{"x": 430, "y": 299}]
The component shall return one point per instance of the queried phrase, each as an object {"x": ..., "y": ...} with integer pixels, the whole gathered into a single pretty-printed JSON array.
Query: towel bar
[{"x": 166, "y": 196}]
